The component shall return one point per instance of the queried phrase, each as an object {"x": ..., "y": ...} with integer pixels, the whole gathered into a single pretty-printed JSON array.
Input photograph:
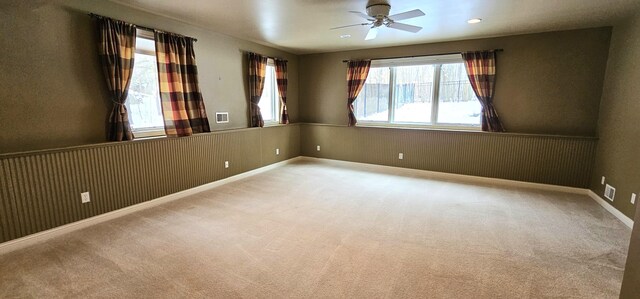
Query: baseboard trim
[
  {"x": 67, "y": 228},
  {"x": 463, "y": 177},
  {"x": 503, "y": 182},
  {"x": 626, "y": 220}
]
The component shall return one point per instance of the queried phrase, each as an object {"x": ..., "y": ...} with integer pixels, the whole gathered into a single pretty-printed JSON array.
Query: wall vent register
[
  {"x": 609, "y": 192},
  {"x": 222, "y": 117}
]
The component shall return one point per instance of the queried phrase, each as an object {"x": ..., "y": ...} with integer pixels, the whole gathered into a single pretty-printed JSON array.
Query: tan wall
[
  {"x": 553, "y": 160},
  {"x": 631, "y": 280},
  {"x": 547, "y": 83},
  {"x": 619, "y": 128},
  {"x": 41, "y": 190},
  {"x": 52, "y": 89}
]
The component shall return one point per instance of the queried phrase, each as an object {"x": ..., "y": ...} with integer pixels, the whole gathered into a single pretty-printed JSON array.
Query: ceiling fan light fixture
[
  {"x": 474, "y": 21},
  {"x": 378, "y": 10},
  {"x": 377, "y": 16}
]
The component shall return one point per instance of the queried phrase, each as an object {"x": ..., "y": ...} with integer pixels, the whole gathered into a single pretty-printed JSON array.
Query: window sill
[
  {"x": 149, "y": 134},
  {"x": 420, "y": 127},
  {"x": 273, "y": 124}
]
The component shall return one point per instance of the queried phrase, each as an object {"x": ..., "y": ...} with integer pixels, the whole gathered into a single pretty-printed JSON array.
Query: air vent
[
  {"x": 222, "y": 117},
  {"x": 610, "y": 192}
]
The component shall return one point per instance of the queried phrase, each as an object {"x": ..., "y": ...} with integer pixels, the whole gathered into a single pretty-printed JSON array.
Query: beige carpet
[{"x": 334, "y": 230}]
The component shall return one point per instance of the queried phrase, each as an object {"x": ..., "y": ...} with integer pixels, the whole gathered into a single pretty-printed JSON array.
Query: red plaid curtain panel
[
  {"x": 281, "y": 80},
  {"x": 481, "y": 70},
  {"x": 116, "y": 48},
  {"x": 357, "y": 72},
  {"x": 257, "y": 71},
  {"x": 182, "y": 103}
]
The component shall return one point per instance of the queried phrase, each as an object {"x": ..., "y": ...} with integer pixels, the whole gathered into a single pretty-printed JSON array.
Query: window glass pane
[
  {"x": 144, "y": 44},
  {"x": 372, "y": 104},
  {"x": 413, "y": 93},
  {"x": 143, "y": 100},
  {"x": 458, "y": 103},
  {"x": 269, "y": 100}
]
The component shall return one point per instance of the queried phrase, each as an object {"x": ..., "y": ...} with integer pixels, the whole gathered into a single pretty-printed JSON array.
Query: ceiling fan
[{"x": 378, "y": 15}]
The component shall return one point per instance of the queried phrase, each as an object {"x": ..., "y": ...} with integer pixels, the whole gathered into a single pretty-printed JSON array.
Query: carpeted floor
[{"x": 331, "y": 229}]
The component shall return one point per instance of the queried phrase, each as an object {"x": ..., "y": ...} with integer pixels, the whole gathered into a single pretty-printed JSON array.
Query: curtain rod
[
  {"x": 274, "y": 58},
  {"x": 143, "y": 27},
  {"x": 414, "y": 56}
]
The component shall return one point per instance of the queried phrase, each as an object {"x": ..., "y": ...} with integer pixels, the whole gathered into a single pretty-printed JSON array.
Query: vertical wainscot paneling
[
  {"x": 41, "y": 190},
  {"x": 556, "y": 160}
]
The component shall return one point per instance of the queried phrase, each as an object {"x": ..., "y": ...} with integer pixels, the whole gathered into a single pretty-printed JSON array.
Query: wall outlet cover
[
  {"x": 85, "y": 197},
  {"x": 602, "y": 180},
  {"x": 318, "y": 148},
  {"x": 400, "y": 156},
  {"x": 633, "y": 198},
  {"x": 277, "y": 151},
  {"x": 226, "y": 164}
]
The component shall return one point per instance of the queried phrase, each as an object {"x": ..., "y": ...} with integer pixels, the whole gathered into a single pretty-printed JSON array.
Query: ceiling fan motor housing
[{"x": 378, "y": 11}]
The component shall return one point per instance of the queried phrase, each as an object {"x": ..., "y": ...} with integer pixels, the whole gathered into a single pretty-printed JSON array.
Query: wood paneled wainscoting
[
  {"x": 546, "y": 159},
  {"x": 41, "y": 190}
]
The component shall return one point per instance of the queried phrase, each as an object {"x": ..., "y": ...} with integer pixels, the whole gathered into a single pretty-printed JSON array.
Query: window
[
  {"x": 143, "y": 100},
  {"x": 270, "y": 100},
  {"x": 433, "y": 91}
]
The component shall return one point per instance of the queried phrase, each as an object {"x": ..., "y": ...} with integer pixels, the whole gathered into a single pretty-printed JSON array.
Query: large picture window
[{"x": 430, "y": 91}]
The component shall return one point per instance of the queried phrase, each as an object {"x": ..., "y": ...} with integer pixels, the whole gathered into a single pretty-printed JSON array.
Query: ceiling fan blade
[
  {"x": 373, "y": 32},
  {"x": 405, "y": 27},
  {"x": 407, "y": 15},
  {"x": 362, "y": 15},
  {"x": 361, "y": 24}
]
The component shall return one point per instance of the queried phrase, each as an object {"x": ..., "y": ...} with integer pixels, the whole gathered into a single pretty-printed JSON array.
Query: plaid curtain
[
  {"x": 481, "y": 69},
  {"x": 182, "y": 103},
  {"x": 357, "y": 73},
  {"x": 281, "y": 79},
  {"x": 257, "y": 71},
  {"x": 116, "y": 48}
]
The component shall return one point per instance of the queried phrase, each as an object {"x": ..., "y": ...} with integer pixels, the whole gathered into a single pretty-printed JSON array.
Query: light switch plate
[
  {"x": 226, "y": 164},
  {"x": 400, "y": 156}
]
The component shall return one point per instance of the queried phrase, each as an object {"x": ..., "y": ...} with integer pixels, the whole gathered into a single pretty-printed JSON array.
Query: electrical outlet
[
  {"x": 85, "y": 197},
  {"x": 400, "y": 156},
  {"x": 318, "y": 148},
  {"x": 602, "y": 180},
  {"x": 633, "y": 198},
  {"x": 226, "y": 164},
  {"x": 277, "y": 151}
]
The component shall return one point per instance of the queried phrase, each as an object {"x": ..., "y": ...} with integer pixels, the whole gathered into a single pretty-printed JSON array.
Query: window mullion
[
  {"x": 392, "y": 86},
  {"x": 435, "y": 100}
]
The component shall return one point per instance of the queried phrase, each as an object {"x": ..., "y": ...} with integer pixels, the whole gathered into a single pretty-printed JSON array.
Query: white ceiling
[{"x": 302, "y": 26}]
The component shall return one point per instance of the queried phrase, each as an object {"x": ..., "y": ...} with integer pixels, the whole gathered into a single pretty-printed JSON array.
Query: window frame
[
  {"x": 437, "y": 61},
  {"x": 147, "y": 131},
  {"x": 275, "y": 96}
]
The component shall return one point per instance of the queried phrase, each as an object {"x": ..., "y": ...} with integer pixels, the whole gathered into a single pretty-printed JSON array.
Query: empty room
[{"x": 319, "y": 149}]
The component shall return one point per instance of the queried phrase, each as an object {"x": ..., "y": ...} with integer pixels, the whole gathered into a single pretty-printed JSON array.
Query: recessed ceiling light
[
  {"x": 474, "y": 21},
  {"x": 345, "y": 36}
]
